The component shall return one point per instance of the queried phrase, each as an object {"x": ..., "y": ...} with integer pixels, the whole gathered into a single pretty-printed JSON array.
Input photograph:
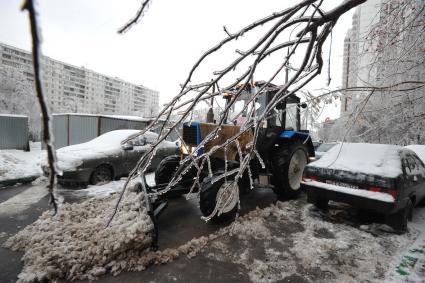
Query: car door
[
  {"x": 151, "y": 138},
  {"x": 139, "y": 148},
  {"x": 419, "y": 176},
  {"x": 415, "y": 178}
]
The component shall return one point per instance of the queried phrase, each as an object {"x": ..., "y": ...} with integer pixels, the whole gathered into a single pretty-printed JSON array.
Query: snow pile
[
  {"x": 16, "y": 164},
  {"x": 370, "y": 159},
  {"x": 419, "y": 150},
  {"x": 74, "y": 244}
]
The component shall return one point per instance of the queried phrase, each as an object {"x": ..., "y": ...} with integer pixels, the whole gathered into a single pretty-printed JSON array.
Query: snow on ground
[
  {"x": 16, "y": 164},
  {"x": 287, "y": 241},
  {"x": 409, "y": 263},
  {"x": 74, "y": 244},
  {"x": 372, "y": 159},
  {"x": 100, "y": 190}
]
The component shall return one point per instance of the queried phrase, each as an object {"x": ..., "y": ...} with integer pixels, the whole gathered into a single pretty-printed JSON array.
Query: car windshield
[{"x": 325, "y": 147}]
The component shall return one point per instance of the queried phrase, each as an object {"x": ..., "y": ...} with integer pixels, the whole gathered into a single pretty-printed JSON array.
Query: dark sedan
[
  {"x": 388, "y": 179},
  {"x": 105, "y": 158}
]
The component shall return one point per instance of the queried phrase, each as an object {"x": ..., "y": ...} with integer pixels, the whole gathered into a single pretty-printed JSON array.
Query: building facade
[
  {"x": 359, "y": 53},
  {"x": 79, "y": 90},
  {"x": 384, "y": 61}
]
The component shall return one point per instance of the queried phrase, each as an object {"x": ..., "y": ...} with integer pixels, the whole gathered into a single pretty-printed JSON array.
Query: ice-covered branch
[{"x": 47, "y": 126}]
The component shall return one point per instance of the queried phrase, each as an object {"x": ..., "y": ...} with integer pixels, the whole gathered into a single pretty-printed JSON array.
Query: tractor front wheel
[
  {"x": 223, "y": 194},
  {"x": 166, "y": 169},
  {"x": 288, "y": 166}
]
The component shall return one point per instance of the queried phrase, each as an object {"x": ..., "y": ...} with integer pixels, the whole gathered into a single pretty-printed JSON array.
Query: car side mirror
[
  {"x": 303, "y": 105},
  {"x": 127, "y": 146}
]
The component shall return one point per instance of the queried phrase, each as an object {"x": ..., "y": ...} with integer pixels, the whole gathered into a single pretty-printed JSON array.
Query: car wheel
[
  {"x": 399, "y": 220},
  {"x": 101, "y": 175},
  {"x": 212, "y": 193}
]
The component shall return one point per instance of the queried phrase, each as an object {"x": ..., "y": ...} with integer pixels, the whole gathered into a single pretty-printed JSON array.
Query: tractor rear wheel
[
  {"x": 219, "y": 194},
  {"x": 288, "y": 168}
]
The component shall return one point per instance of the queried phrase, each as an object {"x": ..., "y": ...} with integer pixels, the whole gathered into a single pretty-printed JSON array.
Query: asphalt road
[{"x": 179, "y": 223}]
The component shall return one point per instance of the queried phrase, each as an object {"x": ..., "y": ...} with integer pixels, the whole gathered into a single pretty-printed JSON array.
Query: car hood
[{"x": 70, "y": 157}]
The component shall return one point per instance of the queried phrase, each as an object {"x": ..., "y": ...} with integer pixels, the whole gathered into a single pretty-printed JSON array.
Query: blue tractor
[{"x": 284, "y": 148}]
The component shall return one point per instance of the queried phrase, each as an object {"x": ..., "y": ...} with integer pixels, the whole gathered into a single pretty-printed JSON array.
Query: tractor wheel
[
  {"x": 166, "y": 169},
  {"x": 220, "y": 192},
  {"x": 244, "y": 183},
  {"x": 101, "y": 175},
  {"x": 288, "y": 166}
]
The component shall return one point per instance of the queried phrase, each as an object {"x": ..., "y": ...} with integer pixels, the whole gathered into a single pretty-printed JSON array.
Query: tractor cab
[{"x": 285, "y": 115}]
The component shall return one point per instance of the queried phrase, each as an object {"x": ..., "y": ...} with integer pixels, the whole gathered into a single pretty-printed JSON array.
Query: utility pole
[{"x": 210, "y": 114}]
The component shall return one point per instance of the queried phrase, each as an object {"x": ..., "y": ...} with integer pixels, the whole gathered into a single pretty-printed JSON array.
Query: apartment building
[{"x": 76, "y": 89}]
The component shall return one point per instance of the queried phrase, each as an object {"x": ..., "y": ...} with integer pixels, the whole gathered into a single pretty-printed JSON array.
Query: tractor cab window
[
  {"x": 240, "y": 111},
  {"x": 291, "y": 116}
]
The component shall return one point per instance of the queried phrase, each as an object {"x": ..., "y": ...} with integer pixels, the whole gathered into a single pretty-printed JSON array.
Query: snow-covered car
[
  {"x": 323, "y": 148},
  {"x": 388, "y": 179},
  {"x": 106, "y": 158}
]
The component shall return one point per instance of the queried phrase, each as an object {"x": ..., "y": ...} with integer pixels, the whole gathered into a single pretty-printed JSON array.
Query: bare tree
[
  {"x": 395, "y": 112},
  {"x": 17, "y": 97},
  {"x": 47, "y": 125},
  {"x": 311, "y": 27}
]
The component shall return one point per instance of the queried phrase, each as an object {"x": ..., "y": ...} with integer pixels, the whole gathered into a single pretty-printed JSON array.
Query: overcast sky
[{"x": 159, "y": 51}]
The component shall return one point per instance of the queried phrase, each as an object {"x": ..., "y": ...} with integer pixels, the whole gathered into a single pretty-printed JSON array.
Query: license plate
[{"x": 342, "y": 184}]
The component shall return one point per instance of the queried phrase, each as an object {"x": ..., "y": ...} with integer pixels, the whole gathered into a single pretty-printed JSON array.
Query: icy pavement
[
  {"x": 23, "y": 201},
  {"x": 291, "y": 241},
  {"x": 18, "y": 164}
]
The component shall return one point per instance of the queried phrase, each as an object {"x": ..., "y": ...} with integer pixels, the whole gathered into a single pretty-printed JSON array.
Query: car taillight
[
  {"x": 393, "y": 193},
  {"x": 374, "y": 189},
  {"x": 309, "y": 178}
]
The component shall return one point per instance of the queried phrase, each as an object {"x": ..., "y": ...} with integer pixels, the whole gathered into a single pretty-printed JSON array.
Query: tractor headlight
[{"x": 186, "y": 150}]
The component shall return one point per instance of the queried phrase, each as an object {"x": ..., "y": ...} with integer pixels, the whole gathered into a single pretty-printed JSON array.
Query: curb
[{"x": 11, "y": 182}]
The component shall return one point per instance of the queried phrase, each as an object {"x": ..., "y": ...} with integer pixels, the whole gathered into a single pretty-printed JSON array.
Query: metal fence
[
  {"x": 71, "y": 129},
  {"x": 14, "y": 132}
]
